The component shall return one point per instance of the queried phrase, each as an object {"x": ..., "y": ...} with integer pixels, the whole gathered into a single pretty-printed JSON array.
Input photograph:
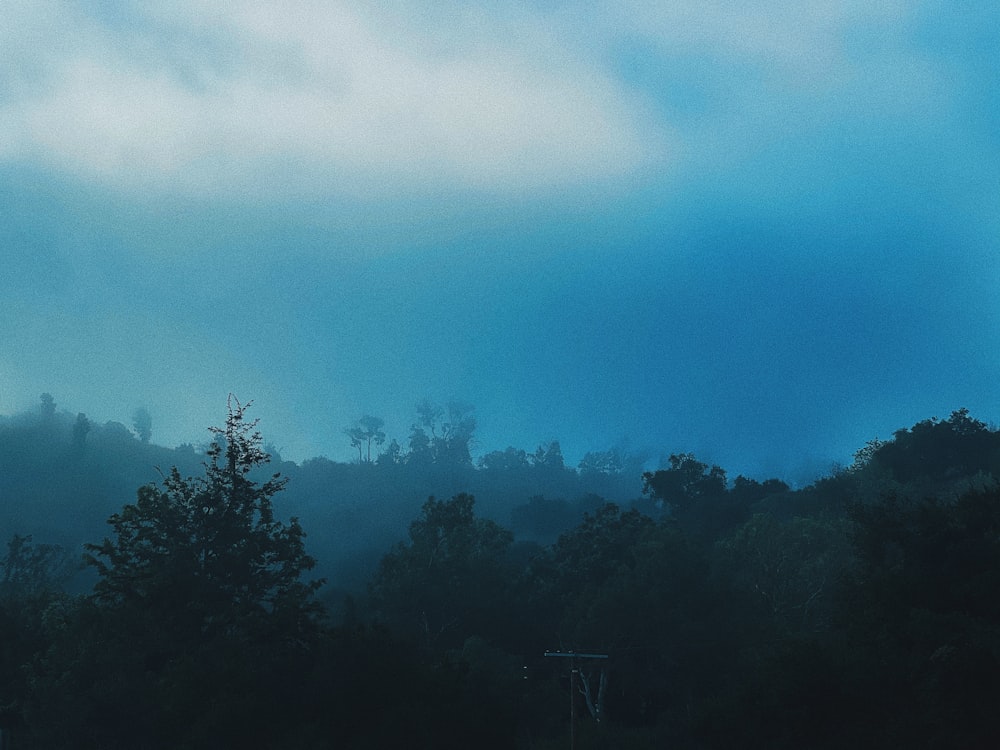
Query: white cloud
[
  {"x": 324, "y": 100},
  {"x": 192, "y": 97},
  {"x": 781, "y": 82},
  {"x": 798, "y": 38}
]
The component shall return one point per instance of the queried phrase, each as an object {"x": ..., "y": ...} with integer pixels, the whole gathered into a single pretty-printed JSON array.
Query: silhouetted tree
[
  {"x": 213, "y": 540},
  {"x": 601, "y": 462},
  {"x": 936, "y": 450},
  {"x": 695, "y": 493},
  {"x": 364, "y": 433},
  {"x": 143, "y": 423},
  {"x": 549, "y": 456},
  {"x": 392, "y": 455},
  {"x": 80, "y": 429},
  {"x": 199, "y": 619},
  {"x": 48, "y": 406},
  {"x": 686, "y": 482},
  {"x": 443, "y": 435},
  {"x": 511, "y": 459}
]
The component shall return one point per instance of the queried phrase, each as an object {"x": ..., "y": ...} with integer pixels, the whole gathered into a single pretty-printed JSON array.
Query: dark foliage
[
  {"x": 200, "y": 594},
  {"x": 858, "y": 612}
]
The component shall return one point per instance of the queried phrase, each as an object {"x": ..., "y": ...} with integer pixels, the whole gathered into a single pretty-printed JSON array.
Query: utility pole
[{"x": 573, "y": 656}]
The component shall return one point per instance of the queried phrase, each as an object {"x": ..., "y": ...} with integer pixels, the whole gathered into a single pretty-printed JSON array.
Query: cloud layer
[
  {"x": 735, "y": 227},
  {"x": 186, "y": 96}
]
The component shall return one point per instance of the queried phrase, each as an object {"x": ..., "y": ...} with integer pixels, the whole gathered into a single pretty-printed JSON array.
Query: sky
[{"x": 764, "y": 232}]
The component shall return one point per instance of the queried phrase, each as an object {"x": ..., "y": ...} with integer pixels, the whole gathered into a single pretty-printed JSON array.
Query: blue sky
[{"x": 765, "y": 232}]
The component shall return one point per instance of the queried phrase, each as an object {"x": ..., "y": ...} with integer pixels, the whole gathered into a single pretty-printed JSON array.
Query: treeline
[
  {"x": 860, "y": 611},
  {"x": 62, "y": 474}
]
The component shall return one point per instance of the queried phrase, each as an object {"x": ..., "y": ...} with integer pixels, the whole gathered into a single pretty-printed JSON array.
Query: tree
[
  {"x": 213, "y": 541},
  {"x": 549, "y": 456},
  {"x": 455, "y": 445},
  {"x": 789, "y": 568},
  {"x": 443, "y": 435},
  {"x": 593, "y": 551},
  {"x": 365, "y": 432},
  {"x": 863, "y": 457},
  {"x": 695, "y": 493},
  {"x": 542, "y": 519},
  {"x": 200, "y": 620},
  {"x": 939, "y": 450},
  {"x": 392, "y": 455},
  {"x": 80, "y": 429},
  {"x": 421, "y": 453},
  {"x": 620, "y": 583},
  {"x": 29, "y": 569},
  {"x": 447, "y": 583},
  {"x": 32, "y": 577},
  {"x": 922, "y": 618},
  {"x": 596, "y": 463},
  {"x": 143, "y": 423},
  {"x": 687, "y": 481},
  {"x": 509, "y": 460},
  {"x": 48, "y": 406}
]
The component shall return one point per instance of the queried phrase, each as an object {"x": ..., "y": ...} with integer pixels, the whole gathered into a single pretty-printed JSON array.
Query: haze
[{"x": 761, "y": 232}]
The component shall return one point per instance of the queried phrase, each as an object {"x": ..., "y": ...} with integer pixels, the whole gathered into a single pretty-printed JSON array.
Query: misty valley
[{"x": 432, "y": 594}]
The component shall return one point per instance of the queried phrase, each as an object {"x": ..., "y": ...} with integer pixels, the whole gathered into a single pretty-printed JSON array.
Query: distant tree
[
  {"x": 421, "y": 451},
  {"x": 601, "y": 462},
  {"x": 48, "y": 405},
  {"x": 543, "y": 519},
  {"x": 511, "y": 459},
  {"x": 459, "y": 431},
  {"x": 80, "y": 429},
  {"x": 364, "y": 433},
  {"x": 696, "y": 495},
  {"x": 29, "y": 569},
  {"x": 143, "y": 423},
  {"x": 428, "y": 416},
  {"x": 686, "y": 482},
  {"x": 443, "y": 435},
  {"x": 549, "y": 456},
  {"x": 392, "y": 455}
]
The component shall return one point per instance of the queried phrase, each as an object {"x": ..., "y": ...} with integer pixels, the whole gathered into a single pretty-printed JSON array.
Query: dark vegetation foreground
[{"x": 862, "y": 611}]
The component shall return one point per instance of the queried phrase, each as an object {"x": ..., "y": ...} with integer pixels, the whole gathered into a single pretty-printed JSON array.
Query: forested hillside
[
  {"x": 62, "y": 475},
  {"x": 706, "y": 611}
]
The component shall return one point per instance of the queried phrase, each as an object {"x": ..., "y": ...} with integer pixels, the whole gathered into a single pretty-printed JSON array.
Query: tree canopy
[
  {"x": 211, "y": 542},
  {"x": 856, "y": 611}
]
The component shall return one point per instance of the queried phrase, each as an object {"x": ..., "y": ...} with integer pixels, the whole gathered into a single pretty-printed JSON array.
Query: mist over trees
[
  {"x": 187, "y": 606},
  {"x": 142, "y": 422}
]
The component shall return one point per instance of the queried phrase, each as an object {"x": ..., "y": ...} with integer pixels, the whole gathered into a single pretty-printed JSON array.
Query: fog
[
  {"x": 631, "y": 230},
  {"x": 666, "y": 284}
]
